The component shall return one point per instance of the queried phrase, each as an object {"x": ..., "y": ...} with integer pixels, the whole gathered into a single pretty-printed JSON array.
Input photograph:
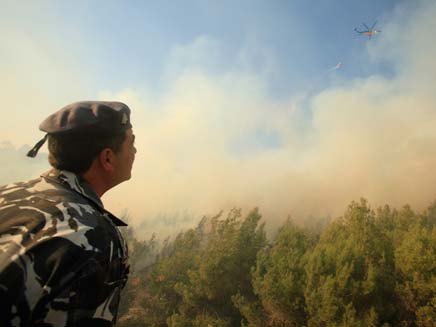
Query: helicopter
[{"x": 369, "y": 31}]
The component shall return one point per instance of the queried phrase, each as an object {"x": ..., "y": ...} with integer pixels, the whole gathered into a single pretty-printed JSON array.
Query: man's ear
[{"x": 106, "y": 159}]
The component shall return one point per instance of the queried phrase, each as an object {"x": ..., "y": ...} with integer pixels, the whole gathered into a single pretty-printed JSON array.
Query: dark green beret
[{"x": 105, "y": 117}]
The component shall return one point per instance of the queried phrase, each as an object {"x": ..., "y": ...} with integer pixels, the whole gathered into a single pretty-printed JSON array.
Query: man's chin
[
  {"x": 126, "y": 178},
  {"x": 123, "y": 179}
]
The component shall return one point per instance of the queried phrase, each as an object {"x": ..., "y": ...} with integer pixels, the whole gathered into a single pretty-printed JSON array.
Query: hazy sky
[{"x": 234, "y": 103}]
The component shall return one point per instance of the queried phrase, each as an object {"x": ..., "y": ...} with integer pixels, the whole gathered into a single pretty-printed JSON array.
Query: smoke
[
  {"x": 39, "y": 74},
  {"x": 23, "y": 168},
  {"x": 213, "y": 142}
]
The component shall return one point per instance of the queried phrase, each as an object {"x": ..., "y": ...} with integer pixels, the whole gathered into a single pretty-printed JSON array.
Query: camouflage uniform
[{"x": 63, "y": 261}]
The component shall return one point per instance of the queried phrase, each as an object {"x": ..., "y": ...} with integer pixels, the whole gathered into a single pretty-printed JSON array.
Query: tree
[
  {"x": 416, "y": 271},
  {"x": 350, "y": 273},
  {"x": 176, "y": 259},
  {"x": 142, "y": 254},
  {"x": 221, "y": 271},
  {"x": 279, "y": 279}
]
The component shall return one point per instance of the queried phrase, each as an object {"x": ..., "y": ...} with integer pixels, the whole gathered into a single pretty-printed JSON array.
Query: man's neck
[{"x": 96, "y": 181}]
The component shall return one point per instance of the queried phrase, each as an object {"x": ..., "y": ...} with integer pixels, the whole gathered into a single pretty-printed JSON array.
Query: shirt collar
[{"x": 79, "y": 185}]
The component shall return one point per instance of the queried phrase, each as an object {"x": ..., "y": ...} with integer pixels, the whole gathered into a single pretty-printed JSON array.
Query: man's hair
[{"x": 75, "y": 152}]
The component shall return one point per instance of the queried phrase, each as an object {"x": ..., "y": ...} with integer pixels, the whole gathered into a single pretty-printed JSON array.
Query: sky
[{"x": 234, "y": 104}]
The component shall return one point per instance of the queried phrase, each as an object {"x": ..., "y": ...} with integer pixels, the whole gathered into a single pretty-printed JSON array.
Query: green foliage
[
  {"x": 350, "y": 272},
  {"x": 367, "y": 268},
  {"x": 177, "y": 258},
  {"x": 222, "y": 268},
  {"x": 141, "y": 254},
  {"x": 251, "y": 310},
  {"x": 203, "y": 320},
  {"x": 416, "y": 266},
  {"x": 280, "y": 278}
]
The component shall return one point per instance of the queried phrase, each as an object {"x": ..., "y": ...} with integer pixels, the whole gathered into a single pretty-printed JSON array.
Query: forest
[{"x": 368, "y": 267}]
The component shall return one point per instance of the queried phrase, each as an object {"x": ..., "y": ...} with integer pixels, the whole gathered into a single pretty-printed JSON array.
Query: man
[{"x": 63, "y": 261}]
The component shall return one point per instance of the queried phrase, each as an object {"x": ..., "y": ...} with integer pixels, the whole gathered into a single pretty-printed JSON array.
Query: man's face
[{"x": 125, "y": 157}]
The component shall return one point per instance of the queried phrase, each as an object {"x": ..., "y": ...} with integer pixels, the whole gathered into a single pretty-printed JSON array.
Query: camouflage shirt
[{"x": 63, "y": 261}]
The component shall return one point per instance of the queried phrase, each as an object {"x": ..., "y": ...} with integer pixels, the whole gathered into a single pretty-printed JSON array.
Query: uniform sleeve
[{"x": 70, "y": 278}]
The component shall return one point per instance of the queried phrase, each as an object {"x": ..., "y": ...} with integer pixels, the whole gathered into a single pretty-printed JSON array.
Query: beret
[
  {"x": 102, "y": 116},
  {"x": 78, "y": 115}
]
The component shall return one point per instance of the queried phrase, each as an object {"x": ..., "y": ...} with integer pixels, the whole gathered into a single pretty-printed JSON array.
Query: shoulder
[
  {"x": 18, "y": 190},
  {"x": 39, "y": 209}
]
